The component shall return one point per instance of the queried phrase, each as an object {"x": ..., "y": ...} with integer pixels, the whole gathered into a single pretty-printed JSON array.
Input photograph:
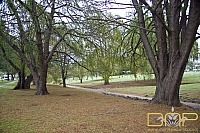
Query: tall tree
[
  {"x": 13, "y": 60},
  {"x": 33, "y": 23},
  {"x": 43, "y": 22},
  {"x": 102, "y": 49},
  {"x": 176, "y": 23}
]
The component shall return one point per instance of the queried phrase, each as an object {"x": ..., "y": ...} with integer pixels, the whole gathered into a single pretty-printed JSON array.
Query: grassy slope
[{"x": 75, "y": 111}]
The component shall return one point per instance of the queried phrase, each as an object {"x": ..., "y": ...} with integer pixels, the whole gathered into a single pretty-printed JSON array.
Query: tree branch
[
  {"x": 55, "y": 46},
  {"x": 74, "y": 60},
  {"x": 153, "y": 11},
  {"x": 147, "y": 45}
]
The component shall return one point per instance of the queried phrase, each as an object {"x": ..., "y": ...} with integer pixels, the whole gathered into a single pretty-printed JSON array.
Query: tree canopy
[{"x": 81, "y": 38}]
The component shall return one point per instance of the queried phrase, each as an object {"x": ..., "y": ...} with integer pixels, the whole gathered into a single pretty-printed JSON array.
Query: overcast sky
[{"x": 123, "y": 12}]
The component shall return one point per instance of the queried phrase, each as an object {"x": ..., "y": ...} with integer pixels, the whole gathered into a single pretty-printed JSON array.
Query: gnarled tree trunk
[
  {"x": 40, "y": 80},
  {"x": 167, "y": 89},
  {"x": 175, "y": 36},
  {"x": 28, "y": 81}
]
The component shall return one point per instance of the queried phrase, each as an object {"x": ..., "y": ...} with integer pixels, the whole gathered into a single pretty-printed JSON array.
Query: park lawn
[
  {"x": 191, "y": 77},
  {"x": 190, "y": 88},
  {"x": 4, "y": 81},
  {"x": 187, "y": 91},
  {"x": 98, "y": 80},
  {"x": 68, "y": 110}
]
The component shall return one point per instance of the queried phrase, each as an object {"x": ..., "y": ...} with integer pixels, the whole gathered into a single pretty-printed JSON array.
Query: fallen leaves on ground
[{"x": 68, "y": 110}]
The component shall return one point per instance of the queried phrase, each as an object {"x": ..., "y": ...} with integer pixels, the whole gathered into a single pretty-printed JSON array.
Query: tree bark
[
  {"x": 37, "y": 64},
  {"x": 19, "y": 82},
  {"x": 64, "y": 81},
  {"x": 22, "y": 82},
  {"x": 28, "y": 81},
  {"x": 173, "y": 48},
  {"x": 40, "y": 80},
  {"x": 167, "y": 89},
  {"x": 63, "y": 70}
]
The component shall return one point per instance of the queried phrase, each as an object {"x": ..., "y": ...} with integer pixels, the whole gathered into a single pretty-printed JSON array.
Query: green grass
[
  {"x": 189, "y": 89},
  {"x": 98, "y": 80},
  {"x": 68, "y": 110},
  {"x": 188, "y": 77},
  {"x": 4, "y": 81},
  {"x": 137, "y": 90},
  {"x": 71, "y": 110},
  {"x": 10, "y": 86},
  {"x": 4, "y": 90},
  {"x": 191, "y": 77}
]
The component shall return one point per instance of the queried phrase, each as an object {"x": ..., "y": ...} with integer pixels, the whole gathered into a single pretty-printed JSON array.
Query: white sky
[{"x": 123, "y": 12}]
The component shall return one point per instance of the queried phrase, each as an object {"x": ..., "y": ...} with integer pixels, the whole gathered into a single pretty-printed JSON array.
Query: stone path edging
[{"x": 194, "y": 106}]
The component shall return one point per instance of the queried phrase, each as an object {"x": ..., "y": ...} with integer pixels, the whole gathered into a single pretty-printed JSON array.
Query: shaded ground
[{"x": 68, "y": 110}]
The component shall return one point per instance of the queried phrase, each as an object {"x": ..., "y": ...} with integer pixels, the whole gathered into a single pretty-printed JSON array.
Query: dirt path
[{"x": 194, "y": 106}]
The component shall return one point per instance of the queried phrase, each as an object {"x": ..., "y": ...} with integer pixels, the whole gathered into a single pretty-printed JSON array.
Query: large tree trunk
[
  {"x": 19, "y": 82},
  {"x": 167, "y": 90},
  {"x": 22, "y": 82},
  {"x": 40, "y": 81},
  {"x": 175, "y": 36},
  {"x": 22, "y": 75},
  {"x": 64, "y": 81},
  {"x": 28, "y": 81},
  {"x": 41, "y": 88}
]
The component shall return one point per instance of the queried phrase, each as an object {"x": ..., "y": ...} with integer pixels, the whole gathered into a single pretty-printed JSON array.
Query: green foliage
[
  {"x": 133, "y": 54},
  {"x": 104, "y": 57},
  {"x": 194, "y": 52},
  {"x": 54, "y": 74}
]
